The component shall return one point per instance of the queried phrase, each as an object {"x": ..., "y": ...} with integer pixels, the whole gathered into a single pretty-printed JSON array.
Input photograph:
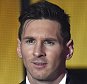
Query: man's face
[{"x": 42, "y": 49}]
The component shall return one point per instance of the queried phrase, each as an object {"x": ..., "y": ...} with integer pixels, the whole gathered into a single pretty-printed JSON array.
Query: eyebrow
[
  {"x": 28, "y": 37},
  {"x": 50, "y": 39},
  {"x": 45, "y": 39}
]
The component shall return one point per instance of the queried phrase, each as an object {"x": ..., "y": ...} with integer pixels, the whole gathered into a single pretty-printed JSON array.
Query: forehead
[{"x": 41, "y": 27}]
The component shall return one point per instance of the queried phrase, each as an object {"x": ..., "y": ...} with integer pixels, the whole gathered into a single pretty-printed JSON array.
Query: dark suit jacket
[{"x": 73, "y": 77}]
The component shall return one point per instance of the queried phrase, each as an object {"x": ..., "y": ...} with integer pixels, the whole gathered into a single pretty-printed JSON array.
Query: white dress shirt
[
  {"x": 27, "y": 81},
  {"x": 63, "y": 81}
]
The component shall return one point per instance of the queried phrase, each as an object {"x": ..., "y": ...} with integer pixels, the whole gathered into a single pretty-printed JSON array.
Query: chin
[{"x": 40, "y": 77}]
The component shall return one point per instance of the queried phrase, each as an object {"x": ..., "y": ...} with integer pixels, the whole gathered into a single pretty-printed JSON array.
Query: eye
[
  {"x": 48, "y": 42},
  {"x": 30, "y": 41}
]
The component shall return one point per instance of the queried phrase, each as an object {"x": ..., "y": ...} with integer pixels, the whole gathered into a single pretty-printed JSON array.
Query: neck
[{"x": 35, "y": 81}]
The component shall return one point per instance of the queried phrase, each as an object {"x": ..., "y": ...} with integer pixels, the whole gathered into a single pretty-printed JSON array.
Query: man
[{"x": 45, "y": 43}]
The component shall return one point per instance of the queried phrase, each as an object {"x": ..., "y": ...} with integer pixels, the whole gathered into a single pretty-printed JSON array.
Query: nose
[{"x": 39, "y": 50}]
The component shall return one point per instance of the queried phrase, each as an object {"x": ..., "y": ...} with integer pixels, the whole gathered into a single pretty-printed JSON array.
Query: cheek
[
  {"x": 26, "y": 54},
  {"x": 54, "y": 52},
  {"x": 54, "y": 56},
  {"x": 26, "y": 51}
]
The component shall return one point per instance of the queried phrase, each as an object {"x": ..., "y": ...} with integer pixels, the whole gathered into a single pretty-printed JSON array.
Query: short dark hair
[{"x": 46, "y": 10}]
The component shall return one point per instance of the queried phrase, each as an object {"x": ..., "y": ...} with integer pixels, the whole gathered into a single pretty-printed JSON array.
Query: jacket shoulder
[{"x": 78, "y": 76}]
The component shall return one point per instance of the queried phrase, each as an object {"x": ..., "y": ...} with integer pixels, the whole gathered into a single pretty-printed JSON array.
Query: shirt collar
[
  {"x": 27, "y": 81},
  {"x": 63, "y": 81}
]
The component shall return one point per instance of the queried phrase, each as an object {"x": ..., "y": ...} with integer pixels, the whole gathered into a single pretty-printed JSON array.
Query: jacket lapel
[{"x": 23, "y": 82}]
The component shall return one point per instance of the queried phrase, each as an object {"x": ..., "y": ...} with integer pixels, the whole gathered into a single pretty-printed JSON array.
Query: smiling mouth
[{"x": 39, "y": 65}]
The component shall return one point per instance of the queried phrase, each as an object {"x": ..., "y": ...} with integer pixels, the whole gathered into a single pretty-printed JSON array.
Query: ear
[
  {"x": 70, "y": 49},
  {"x": 19, "y": 48}
]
